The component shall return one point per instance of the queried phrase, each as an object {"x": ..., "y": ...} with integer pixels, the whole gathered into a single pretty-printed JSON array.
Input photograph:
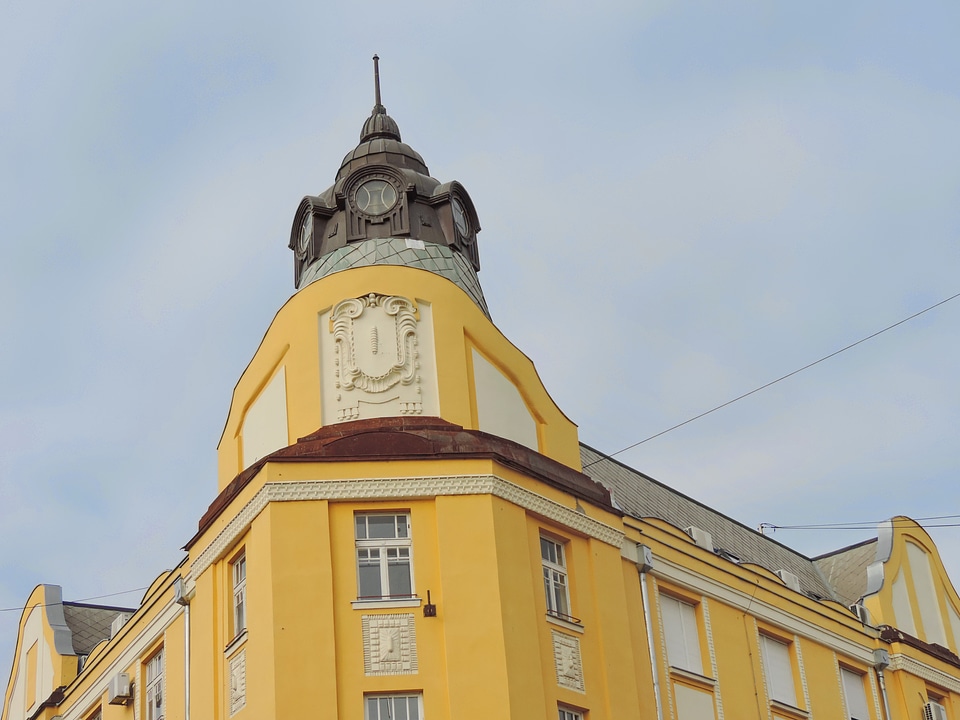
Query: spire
[{"x": 379, "y": 124}]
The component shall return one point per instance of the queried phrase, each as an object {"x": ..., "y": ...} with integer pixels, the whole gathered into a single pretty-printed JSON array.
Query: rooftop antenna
[{"x": 376, "y": 77}]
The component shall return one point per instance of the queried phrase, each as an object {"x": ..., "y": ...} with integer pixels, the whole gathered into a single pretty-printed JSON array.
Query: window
[
  {"x": 555, "y": 577},
  {"x": 392, "y": 707},
  {"x": 97, "y": 715},
  {"x": 571, "y": 714},
  {"x": 680, "y": 631},
  {"x": 778, "y": 670},
  {"x": 154, "y": 687},
  {"x": 239, "y": 568},
  {"x": 384, "y": 567},
  {"x": 854, "y": 695}
]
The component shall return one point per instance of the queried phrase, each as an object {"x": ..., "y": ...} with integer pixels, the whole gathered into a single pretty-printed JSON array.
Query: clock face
[
  {"x": 306, "y": 234},
  {"x": 460, "y": 218},
  {"x": 376, "y": 197}
]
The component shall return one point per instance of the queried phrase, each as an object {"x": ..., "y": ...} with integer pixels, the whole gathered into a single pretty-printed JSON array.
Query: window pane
[
  {"x": 414, "y": 708},
  {"x": 548, "y": 550},
  {"x": 399, "y": 577},
  {"x": 361, "y": 521},
  {"x": 381, "y": 527},
  {"x": 855, "y": 695},
  {"x": 779, "y": 670},
  {"x": 370, "y": 579},
  {"x": 400, "y": 709}
]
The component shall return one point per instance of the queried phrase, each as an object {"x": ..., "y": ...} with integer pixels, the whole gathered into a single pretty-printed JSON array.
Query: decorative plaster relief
[
  {"x": 389, "y": 644},
  {"x": 237, "y": 692},
  {"x": 566, "y": 656},
  {"x": 377, "y": 355}
]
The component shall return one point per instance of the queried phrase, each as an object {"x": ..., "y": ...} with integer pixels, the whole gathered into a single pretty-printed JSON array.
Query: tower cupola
[{"x": 384, "y": 208}]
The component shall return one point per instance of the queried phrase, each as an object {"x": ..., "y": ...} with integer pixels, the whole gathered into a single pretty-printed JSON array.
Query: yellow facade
[{"x": 465, "y": 557}]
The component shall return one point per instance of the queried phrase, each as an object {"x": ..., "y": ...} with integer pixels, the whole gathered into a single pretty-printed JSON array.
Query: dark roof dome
[{"x": 379, "y": 125}]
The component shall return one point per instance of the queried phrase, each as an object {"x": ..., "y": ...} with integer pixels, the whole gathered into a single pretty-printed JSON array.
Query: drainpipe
[
  {"x": 881, "y": 660},
  {"x": 182, "y": 598},
  {"x": 645, "y": 565}
]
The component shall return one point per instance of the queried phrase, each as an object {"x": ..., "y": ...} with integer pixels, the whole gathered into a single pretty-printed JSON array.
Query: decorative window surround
[
  {"x": 686, "y": 578},
  {"x": 398, "y": 489}
]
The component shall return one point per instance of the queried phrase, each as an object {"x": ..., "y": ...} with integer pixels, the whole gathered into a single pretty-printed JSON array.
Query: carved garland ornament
[{"x": 375, "y": 351}]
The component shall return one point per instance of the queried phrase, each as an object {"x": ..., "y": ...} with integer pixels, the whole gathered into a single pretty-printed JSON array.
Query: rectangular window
[
  {"x": 855, "y": 695},
  {"x": 571, "y": 714},
  {"x": 392, "y": 707},
  {"x": 384, "y": 567},
  {"x": 153, "y": 690},
  {"x": 555, "y": 586},
  {"x": 778, "y": 670},
  {"x": 680, "y": 631},
  {"x": 239, "y": 570}
]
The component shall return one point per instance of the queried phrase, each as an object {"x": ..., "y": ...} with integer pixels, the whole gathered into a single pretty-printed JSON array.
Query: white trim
[
  {"x": 925, "y": 672},
  {"x": 574, "y": 627},
  {"x": 758, "y": 608},
  {"x": 133, "y": 653},
  {"x": 386, "y": 603},
  {"x": 397, "y": 489}
]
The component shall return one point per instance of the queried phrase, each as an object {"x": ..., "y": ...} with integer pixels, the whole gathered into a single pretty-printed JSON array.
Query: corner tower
[{"x": 388, "y": 319}]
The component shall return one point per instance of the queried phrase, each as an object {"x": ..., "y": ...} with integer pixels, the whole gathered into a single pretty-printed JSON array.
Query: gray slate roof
[
  {"x": 846, "y": 569},
  {"x": 641, "y": 496},
  {"x": 89, "y": 624}
]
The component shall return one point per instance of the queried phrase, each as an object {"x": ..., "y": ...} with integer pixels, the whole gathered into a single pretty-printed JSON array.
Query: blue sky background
[{"x": 679, "y": 201}]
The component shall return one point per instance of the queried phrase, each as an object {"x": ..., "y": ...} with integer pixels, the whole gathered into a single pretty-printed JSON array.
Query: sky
[{"x": 679, "y": 201}]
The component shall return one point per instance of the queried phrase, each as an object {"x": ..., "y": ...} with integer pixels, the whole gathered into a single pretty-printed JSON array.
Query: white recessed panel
[
  {"x": 265, "y": 424},
  {"x": 501, "y": 409}
]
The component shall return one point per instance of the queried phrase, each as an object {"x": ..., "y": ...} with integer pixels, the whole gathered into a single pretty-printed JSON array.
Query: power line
[
  {"x": 95, "y": 597},
  {"x": 865, "y": 525},
  {"x": 772, "y": 382}
]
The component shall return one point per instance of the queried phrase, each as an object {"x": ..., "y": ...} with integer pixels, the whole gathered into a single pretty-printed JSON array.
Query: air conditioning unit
[
  {"x": 119, "y": 691},
  {"x": 789, "y": 579},
  {"x": 863, "y": 615},
  {"x": 701, "y": 537},
  {"x": 118, "y": 622},
  {"x": 934, "y": 711}
]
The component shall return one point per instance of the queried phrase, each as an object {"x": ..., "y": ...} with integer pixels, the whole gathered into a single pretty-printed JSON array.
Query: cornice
[
  {"x": 910, "y": 665},
  {"x": 398, "y": 489}
]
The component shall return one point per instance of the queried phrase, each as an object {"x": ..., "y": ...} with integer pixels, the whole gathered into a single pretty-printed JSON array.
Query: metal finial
[{"x": 376, "y": 77}]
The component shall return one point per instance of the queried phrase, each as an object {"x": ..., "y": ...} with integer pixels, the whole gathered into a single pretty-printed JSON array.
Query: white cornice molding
[
  {"x": 398, "y": 489},
  {"x": 910, "y": 665},
  {"x": 711, "y": 588}
]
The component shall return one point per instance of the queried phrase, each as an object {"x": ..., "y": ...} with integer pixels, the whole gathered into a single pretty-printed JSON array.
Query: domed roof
[{"x": 379, "y": 125}]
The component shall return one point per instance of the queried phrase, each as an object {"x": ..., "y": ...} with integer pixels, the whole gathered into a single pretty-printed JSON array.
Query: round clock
[
  {"x": 306, "y": 234},
  {"x": 460, "y": 218},
  {"x": 375, "y": 197}
]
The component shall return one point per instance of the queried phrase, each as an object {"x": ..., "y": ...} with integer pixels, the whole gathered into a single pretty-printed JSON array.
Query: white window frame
[
  {"x": 556, "y": 580},
  {"x": 384, "y": 553},
  {"x": 857, "y": 708},
  {"x": 153, "y": 692},
  {"x": 413, "y": 699},
  {"x": 238, "y": 572},
  {"x": 775, "y": 653},
  {"x": 681, "y": 633},
  {"x": 564, "y": 712}
]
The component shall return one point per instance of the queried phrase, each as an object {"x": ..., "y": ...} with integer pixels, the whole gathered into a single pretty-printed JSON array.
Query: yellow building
[{"x": 407, "y": 527}]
